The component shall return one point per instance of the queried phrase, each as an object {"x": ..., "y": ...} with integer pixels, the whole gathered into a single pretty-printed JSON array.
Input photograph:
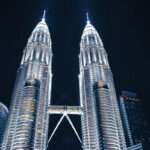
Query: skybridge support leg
[{"x": 65, "y": 111}]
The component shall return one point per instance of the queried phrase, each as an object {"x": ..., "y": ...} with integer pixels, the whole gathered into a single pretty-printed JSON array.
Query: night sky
[{"x": 124, "y": 26}]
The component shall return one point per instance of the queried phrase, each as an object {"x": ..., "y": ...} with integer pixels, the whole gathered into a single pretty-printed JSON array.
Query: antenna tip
[
  {"x": 44, "y": 15},
  {"x": 87, "y": 18}
]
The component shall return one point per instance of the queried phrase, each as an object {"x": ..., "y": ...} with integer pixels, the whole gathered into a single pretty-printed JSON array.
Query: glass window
[
  {"x": 85, "y": 40},
  {"x": 91, "y": 39}
]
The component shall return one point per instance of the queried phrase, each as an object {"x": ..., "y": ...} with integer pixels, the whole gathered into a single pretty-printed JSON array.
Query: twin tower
[{"x": 27, "y": 127}]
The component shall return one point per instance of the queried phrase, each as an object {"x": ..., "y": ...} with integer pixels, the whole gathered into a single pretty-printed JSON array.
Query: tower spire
[
  {"x": 87, "y": 18},
  {"x": 44, "y": 15}
]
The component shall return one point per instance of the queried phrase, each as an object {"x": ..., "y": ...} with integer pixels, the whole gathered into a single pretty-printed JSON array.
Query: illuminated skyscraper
[
  {"x": 28, "y": 121},
  {"x": 27, "y": 126},
  {"x": 3, "y": 120},
  {"x": 101, "y": 123}
]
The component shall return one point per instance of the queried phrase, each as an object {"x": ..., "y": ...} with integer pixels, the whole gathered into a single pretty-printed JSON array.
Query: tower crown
[
  {"x": 90, "y": 34},
  {"x": 39, "y": 43},
  {"x": 41, "y": 32},
  {"x": 91, "y": 46}
]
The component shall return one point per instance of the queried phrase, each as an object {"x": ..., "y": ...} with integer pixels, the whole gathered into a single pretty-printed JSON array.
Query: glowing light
[{"x": 44, "y": 16}]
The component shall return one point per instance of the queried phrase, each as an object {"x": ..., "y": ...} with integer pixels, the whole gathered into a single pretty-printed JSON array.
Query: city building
[
  {"x": 101, "y": 122},
  {"x": 28, "y": 120},
  {"x": 3, "y": 120},
  {"x": 134, "y": 122}
]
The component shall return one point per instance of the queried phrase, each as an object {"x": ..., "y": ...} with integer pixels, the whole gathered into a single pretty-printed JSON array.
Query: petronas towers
[{"x": 27, "y": 126}]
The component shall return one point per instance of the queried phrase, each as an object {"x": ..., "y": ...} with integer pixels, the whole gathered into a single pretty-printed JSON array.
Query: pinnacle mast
[
  {"x": 44, "y": 15},
  {"x": 87, "y": 18}
]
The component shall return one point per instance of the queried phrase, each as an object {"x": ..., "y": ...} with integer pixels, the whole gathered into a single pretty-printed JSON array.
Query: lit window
[{"x": 91, "y": 39}]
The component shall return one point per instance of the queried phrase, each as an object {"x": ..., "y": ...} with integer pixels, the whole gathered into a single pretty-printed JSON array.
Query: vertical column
[
  {"x": 106, "y": 116},
  {"x": 23, "y": 138},
  {"x": 14, "y": 110},
  {"x": 42, "y": 118},
  {"x": 90, "y": 134},
  {"x": 128, "y": 134}
]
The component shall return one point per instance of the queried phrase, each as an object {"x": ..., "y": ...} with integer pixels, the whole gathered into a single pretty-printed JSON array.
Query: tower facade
[
  {"x": 3, "y": 120},
  {"x": 27, "y": 126},
  {"x": 100, "y": 120}
]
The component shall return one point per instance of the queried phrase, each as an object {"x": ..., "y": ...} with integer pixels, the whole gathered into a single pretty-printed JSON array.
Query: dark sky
[{"x": 124, "y": 26}]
